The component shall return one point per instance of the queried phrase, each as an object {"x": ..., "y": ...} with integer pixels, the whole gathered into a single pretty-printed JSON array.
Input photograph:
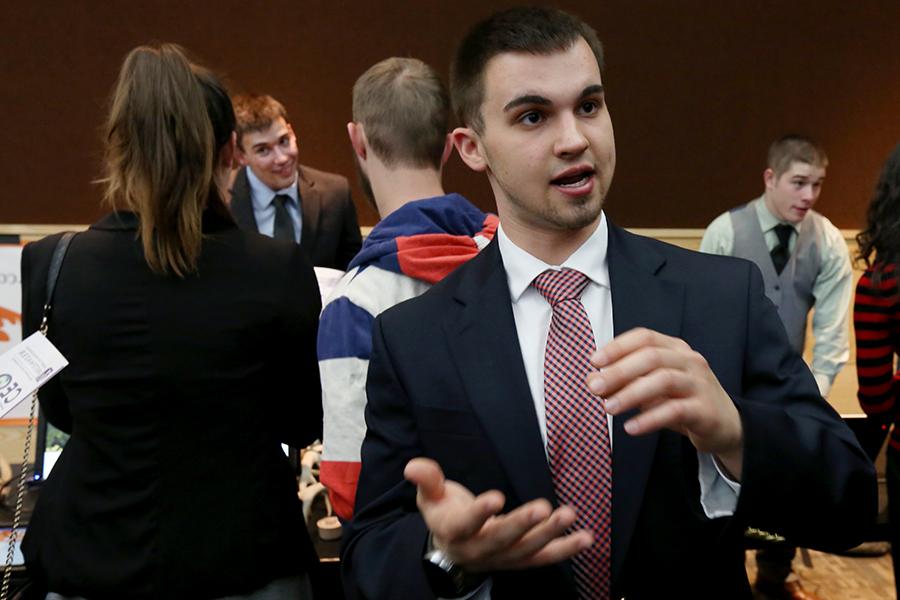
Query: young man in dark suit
[
  {"x": 579, "y": 412},
  {"x": 274, "y": 194}
]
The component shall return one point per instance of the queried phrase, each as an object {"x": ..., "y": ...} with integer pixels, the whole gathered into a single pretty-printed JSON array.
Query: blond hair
[
  {"x": 404, "y": 109},
  {"x": 793, "y": 148}
]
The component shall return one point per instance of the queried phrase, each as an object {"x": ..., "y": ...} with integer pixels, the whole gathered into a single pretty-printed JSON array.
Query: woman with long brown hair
[
  {"x": 191, "y": 349},
  {"x": 876, "y": 320}
]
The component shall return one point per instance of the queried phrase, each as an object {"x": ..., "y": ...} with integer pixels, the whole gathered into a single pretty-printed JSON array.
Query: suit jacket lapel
[
  {"x": 241, "y": 205},
  {"x": 484, "y": 343},
  {"x": 310, "y": 206},
  {"x": 640, "y": 299}
]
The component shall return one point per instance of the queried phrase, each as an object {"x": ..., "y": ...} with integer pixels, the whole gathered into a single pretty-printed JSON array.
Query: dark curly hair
[{"x": 881, "y": 236}]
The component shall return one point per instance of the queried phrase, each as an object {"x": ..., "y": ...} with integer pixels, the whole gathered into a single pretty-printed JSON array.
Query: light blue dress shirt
[{"x": 262, "y": 198}]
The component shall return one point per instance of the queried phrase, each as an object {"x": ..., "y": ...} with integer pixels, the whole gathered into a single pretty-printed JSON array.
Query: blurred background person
[
  {"x": 401, "y": 114},
  {"x": 184, "y": 339},
  {"x": 274, "y": 194},
  {"x": 876, "y": 320},
  {"x": 806, "y": 269}
]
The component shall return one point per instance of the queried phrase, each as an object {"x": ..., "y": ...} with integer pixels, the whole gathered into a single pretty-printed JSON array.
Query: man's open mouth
[{"x": 574, "y": 178}]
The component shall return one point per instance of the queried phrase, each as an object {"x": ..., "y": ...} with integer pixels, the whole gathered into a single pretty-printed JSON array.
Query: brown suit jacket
[{"x": 330, "y": 235}]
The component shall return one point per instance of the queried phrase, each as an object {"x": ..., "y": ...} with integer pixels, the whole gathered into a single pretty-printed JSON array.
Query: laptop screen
[
  {"x": 48, "y": 446},
  {"x": 5, "y": 533}
]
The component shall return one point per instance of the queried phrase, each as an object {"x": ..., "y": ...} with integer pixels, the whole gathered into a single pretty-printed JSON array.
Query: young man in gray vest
[{"x": 805, "y": 263}]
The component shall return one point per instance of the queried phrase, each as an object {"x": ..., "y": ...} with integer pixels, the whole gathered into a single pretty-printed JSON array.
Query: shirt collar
[
  {"x": 522, "y": 267},
  {"x": 262, "y": 195},
  {"x": 768, "y": 221}
]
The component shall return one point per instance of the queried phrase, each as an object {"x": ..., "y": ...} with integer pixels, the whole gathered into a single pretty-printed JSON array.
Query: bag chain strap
[
  {"x": 59, "y": 253},
  {"x": 20, "y": 500}
]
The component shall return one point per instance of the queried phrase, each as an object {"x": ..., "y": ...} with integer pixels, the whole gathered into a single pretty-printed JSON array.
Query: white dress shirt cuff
[
  {"x": 823, "y": 380},
  {"x": 718, "y": 493},
  {"x": 482, "y": 592}
]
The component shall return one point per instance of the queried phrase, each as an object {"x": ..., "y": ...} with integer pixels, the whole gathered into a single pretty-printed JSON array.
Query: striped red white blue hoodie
[{"x": 405, "y": 254}]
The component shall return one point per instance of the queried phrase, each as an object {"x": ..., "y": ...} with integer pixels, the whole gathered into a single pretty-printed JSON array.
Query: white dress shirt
[
  {"x": 718, "y": 495},
  {"x": 262, "y": 198}
]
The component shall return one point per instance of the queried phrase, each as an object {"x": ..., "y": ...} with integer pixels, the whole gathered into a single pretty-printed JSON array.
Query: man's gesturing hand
[
  {"x": 475, "y": 536},
  {"x": 673, "y": 387}
]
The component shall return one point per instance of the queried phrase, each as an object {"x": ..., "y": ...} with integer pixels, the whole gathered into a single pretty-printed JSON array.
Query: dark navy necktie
[{"x": 284, "y": 225}]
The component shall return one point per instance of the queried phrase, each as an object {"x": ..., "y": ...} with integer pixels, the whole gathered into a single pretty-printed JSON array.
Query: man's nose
[
  {"x": 281, "y": 155},
  {"x": 810, "y": 194},
  {"x": 571, "y": 141}
]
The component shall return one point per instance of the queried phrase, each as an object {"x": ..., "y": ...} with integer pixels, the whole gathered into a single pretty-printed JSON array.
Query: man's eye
[
  {"x": 284, "y": 141},
  {"x": 531, "y": 118},
  {"x": 590, "y": 107}
]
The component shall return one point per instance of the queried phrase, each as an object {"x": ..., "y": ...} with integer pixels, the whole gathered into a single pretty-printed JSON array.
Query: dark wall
[{"x": 697, "y": 90}]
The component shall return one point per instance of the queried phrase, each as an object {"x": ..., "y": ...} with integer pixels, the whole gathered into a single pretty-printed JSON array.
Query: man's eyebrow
[
  {"x": 527, "y": 99},
  {"x": 592, "y": 90}
]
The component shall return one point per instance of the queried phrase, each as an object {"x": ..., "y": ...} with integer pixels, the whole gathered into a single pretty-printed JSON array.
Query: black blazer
[
  {"x": 330, "y": 235},
  {"x": 178, "y": 394},
  {"x": 446, "y": 381}
]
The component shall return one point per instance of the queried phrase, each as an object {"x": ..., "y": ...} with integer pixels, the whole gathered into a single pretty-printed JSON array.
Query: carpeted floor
[{"x": 834, "y": 577}]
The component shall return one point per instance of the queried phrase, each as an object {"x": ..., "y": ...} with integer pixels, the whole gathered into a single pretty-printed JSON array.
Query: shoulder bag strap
[{"x": 56, "y": 261}]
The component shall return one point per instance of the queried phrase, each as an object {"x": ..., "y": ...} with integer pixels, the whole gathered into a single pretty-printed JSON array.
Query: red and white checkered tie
[{"x": 577, "y": 437}]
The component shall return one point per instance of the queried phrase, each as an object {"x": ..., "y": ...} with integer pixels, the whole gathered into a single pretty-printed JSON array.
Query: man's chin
[
  {"x": 797, "y": 216},
  {"x": 285, "y": 178},
  {"x": 576, "y": 220},
  {"x": 582, "y": 215}
]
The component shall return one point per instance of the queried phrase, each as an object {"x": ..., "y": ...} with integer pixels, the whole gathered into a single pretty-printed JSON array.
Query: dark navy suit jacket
[{"x": 446, "y": 381}]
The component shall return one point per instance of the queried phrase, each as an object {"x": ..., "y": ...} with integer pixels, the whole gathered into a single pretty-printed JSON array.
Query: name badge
[{"x": 25, "y": 368}]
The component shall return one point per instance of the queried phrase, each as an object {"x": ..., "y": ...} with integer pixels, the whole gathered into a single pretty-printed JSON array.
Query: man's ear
[
  {"x": 448, "y": 149},
  {"x": 357, "y": 139},
  {"x": 240, "y": 157},
  {"x": 770, "y": 179},
  {"x": 294, "y": 135},
  {"x": 228, "y": 153},
  {"x": 468, "y": 144}
]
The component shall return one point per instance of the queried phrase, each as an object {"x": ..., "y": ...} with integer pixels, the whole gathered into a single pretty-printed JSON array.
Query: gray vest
[{"x": 791, "y": 292}]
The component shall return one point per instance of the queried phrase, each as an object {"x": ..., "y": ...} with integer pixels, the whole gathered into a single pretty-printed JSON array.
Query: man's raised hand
[{"x": 475, "y": 536}]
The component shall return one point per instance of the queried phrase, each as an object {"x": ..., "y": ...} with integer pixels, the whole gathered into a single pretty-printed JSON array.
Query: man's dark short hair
[
  {"x": 535, "y": 30},
  {"x": 405, "y": 112}
]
